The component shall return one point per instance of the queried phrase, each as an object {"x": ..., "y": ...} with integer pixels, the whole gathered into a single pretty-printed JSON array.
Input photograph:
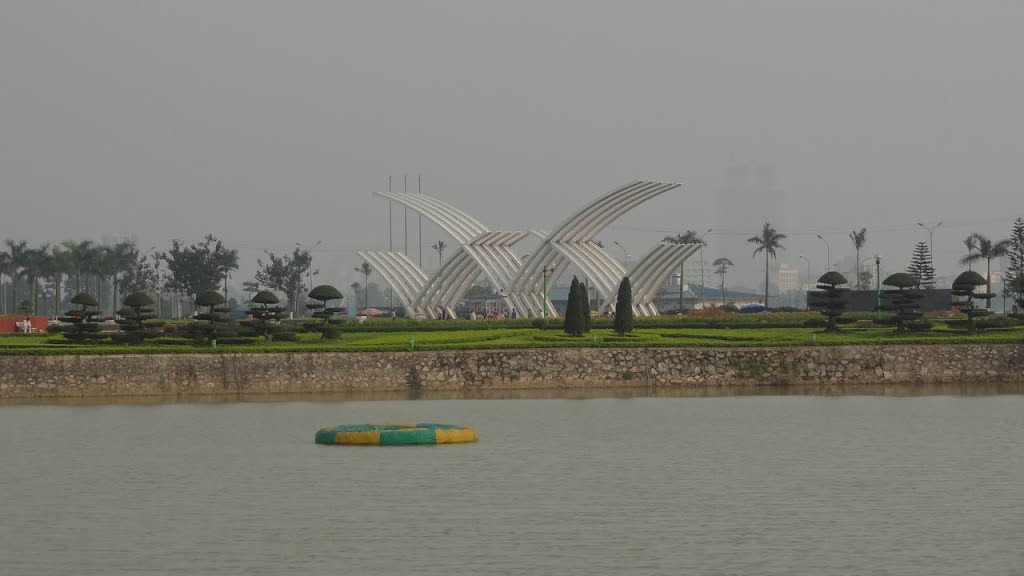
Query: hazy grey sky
[{"x": 270, "y": 123}]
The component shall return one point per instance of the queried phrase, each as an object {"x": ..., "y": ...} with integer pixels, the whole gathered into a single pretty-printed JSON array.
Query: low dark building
[{"x": 867, "y": 300}]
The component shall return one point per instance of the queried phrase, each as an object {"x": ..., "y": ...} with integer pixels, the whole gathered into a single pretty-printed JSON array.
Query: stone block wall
[{"x": 548, "y": 368}]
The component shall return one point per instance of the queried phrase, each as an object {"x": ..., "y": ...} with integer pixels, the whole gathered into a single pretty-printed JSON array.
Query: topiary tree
[
  {"x": 213, "y": 301},
  {"x": 572, "y": 322},
  {"x": 624, "y": 308},
  {"x": 137, "y": 319},
  {"x": 84, "y": 321},
  {"x": 904, "y": 300},
  {"x": 829, "y": 300},
  {"x": 265, "y": 315},
  {"x": 217, "y": 323},
  {"x": 964, "y": 296},
  {"x": 324, "y": 293}
]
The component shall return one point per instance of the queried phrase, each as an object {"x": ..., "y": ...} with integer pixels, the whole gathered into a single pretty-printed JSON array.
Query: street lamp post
[
  {"x": 804, "y": 258},
  {"x": 702, "y": 266},
  {"x": 624, "y": 254},
  {"x": 544, "y": 297},
  {"x": 931, "y": 247},
  {"x": 828, "y": 254}
]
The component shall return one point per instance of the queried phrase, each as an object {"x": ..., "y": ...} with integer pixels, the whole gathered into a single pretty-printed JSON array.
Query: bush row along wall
[{"x": 208, "y": 374}]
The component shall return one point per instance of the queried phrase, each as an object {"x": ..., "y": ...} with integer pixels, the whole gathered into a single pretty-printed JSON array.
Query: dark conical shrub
[
  {"x": 572, "y": 323},
  {"x": 624, "y": 308},
  {"x": 585, "y": 319}
]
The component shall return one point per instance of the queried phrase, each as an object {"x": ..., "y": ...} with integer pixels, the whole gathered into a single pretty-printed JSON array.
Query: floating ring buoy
[{"x": 395, "y": 434}]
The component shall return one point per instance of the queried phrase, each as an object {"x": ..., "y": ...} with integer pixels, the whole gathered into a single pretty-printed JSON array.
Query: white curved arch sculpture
[
  {"x": 491, "y": 254},
  {"x": 571, "y": 242},
  {"x": 649, "y": 274},
  {"x": 406, "y": 279},
  {"x": 491, "y": 251}
]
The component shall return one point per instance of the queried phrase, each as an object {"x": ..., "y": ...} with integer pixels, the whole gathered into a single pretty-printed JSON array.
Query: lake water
[{"x": 762, "y": 484}]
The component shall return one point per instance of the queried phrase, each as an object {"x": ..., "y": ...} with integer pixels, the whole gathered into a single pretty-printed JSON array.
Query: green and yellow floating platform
[{"x": 395, "y": 434}]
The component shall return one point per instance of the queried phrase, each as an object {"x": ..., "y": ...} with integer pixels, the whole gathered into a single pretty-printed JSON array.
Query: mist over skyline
[{"x": 269, "y": 124}]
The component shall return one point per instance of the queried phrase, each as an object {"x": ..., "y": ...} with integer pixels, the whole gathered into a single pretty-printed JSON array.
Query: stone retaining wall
[{"x": 549, "y": 368}]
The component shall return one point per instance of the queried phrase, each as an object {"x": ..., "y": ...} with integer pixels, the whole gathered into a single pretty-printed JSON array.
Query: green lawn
[{"x": 352, "y": 341}]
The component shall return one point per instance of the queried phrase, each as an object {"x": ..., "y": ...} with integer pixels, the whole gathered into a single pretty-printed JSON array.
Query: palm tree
[
  {"x": 102, "y": 267},
  {"x": 768, "y": 242},
  {"x": 5, "y": 270},
  {"x": 17, "y": 253},
  {"x": 35, "y": 266},
  {"x": 440, "y": 246},
  {"x": 365, "y": 269},
  {"x": 971, "y": 243},
  {"x": 688, "y": 237},
  {"x": 80, "y": 255},
  {"x": 987, "y": 251},
  {"x": 355, "y": 290},
  {"x": 57, "y": 265},
  {"x": 122, "y": 257},
  {"x": 859, "y": 239},
  {"x": 721, "y": 267}
]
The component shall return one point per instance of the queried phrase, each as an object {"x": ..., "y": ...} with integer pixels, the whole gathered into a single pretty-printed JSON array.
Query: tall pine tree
[
  {"x": 1015, "y": 250},
  {"x": 624, "y": 308},
  {"x": 1015, "y": 267},
  {"x": 921, "y": 265}
]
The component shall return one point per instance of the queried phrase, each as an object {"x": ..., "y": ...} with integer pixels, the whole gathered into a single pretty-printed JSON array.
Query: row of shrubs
[
  {"x": 244, "y": 332},
  {"x": 768, "y": 320}
]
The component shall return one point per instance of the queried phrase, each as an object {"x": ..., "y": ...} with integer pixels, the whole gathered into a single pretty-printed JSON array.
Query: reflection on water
[{"x": 895, "y": 390}]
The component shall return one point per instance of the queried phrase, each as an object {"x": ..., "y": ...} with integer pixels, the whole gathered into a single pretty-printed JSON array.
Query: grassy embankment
[{"x": 388, "y": 335}]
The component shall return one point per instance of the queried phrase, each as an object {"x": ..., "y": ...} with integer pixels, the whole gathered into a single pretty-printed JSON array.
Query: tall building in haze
[{"x": 750, "y": 197}]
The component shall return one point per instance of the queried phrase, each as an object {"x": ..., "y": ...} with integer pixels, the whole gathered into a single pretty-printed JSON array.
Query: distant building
[
  {"x": 788, "y": 279},
  {"x": 749, "y": 198},
  {"x": 667, "y": 300}
]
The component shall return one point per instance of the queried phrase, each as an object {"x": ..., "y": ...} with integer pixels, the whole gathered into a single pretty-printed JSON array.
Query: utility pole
[
  {"x": 828, "y": 254},
  {"x": 878, "y": 287},
  {"x": 391, "y": 243},
  {"x": 702, "y": 266},
  {"x": 405, "y": 234},
  {"x": 931, "y": 247},
  {"x": 391, "y": 248},
  {"x": 419, "y": 187},
  {"x": 804, "y": 258}
]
